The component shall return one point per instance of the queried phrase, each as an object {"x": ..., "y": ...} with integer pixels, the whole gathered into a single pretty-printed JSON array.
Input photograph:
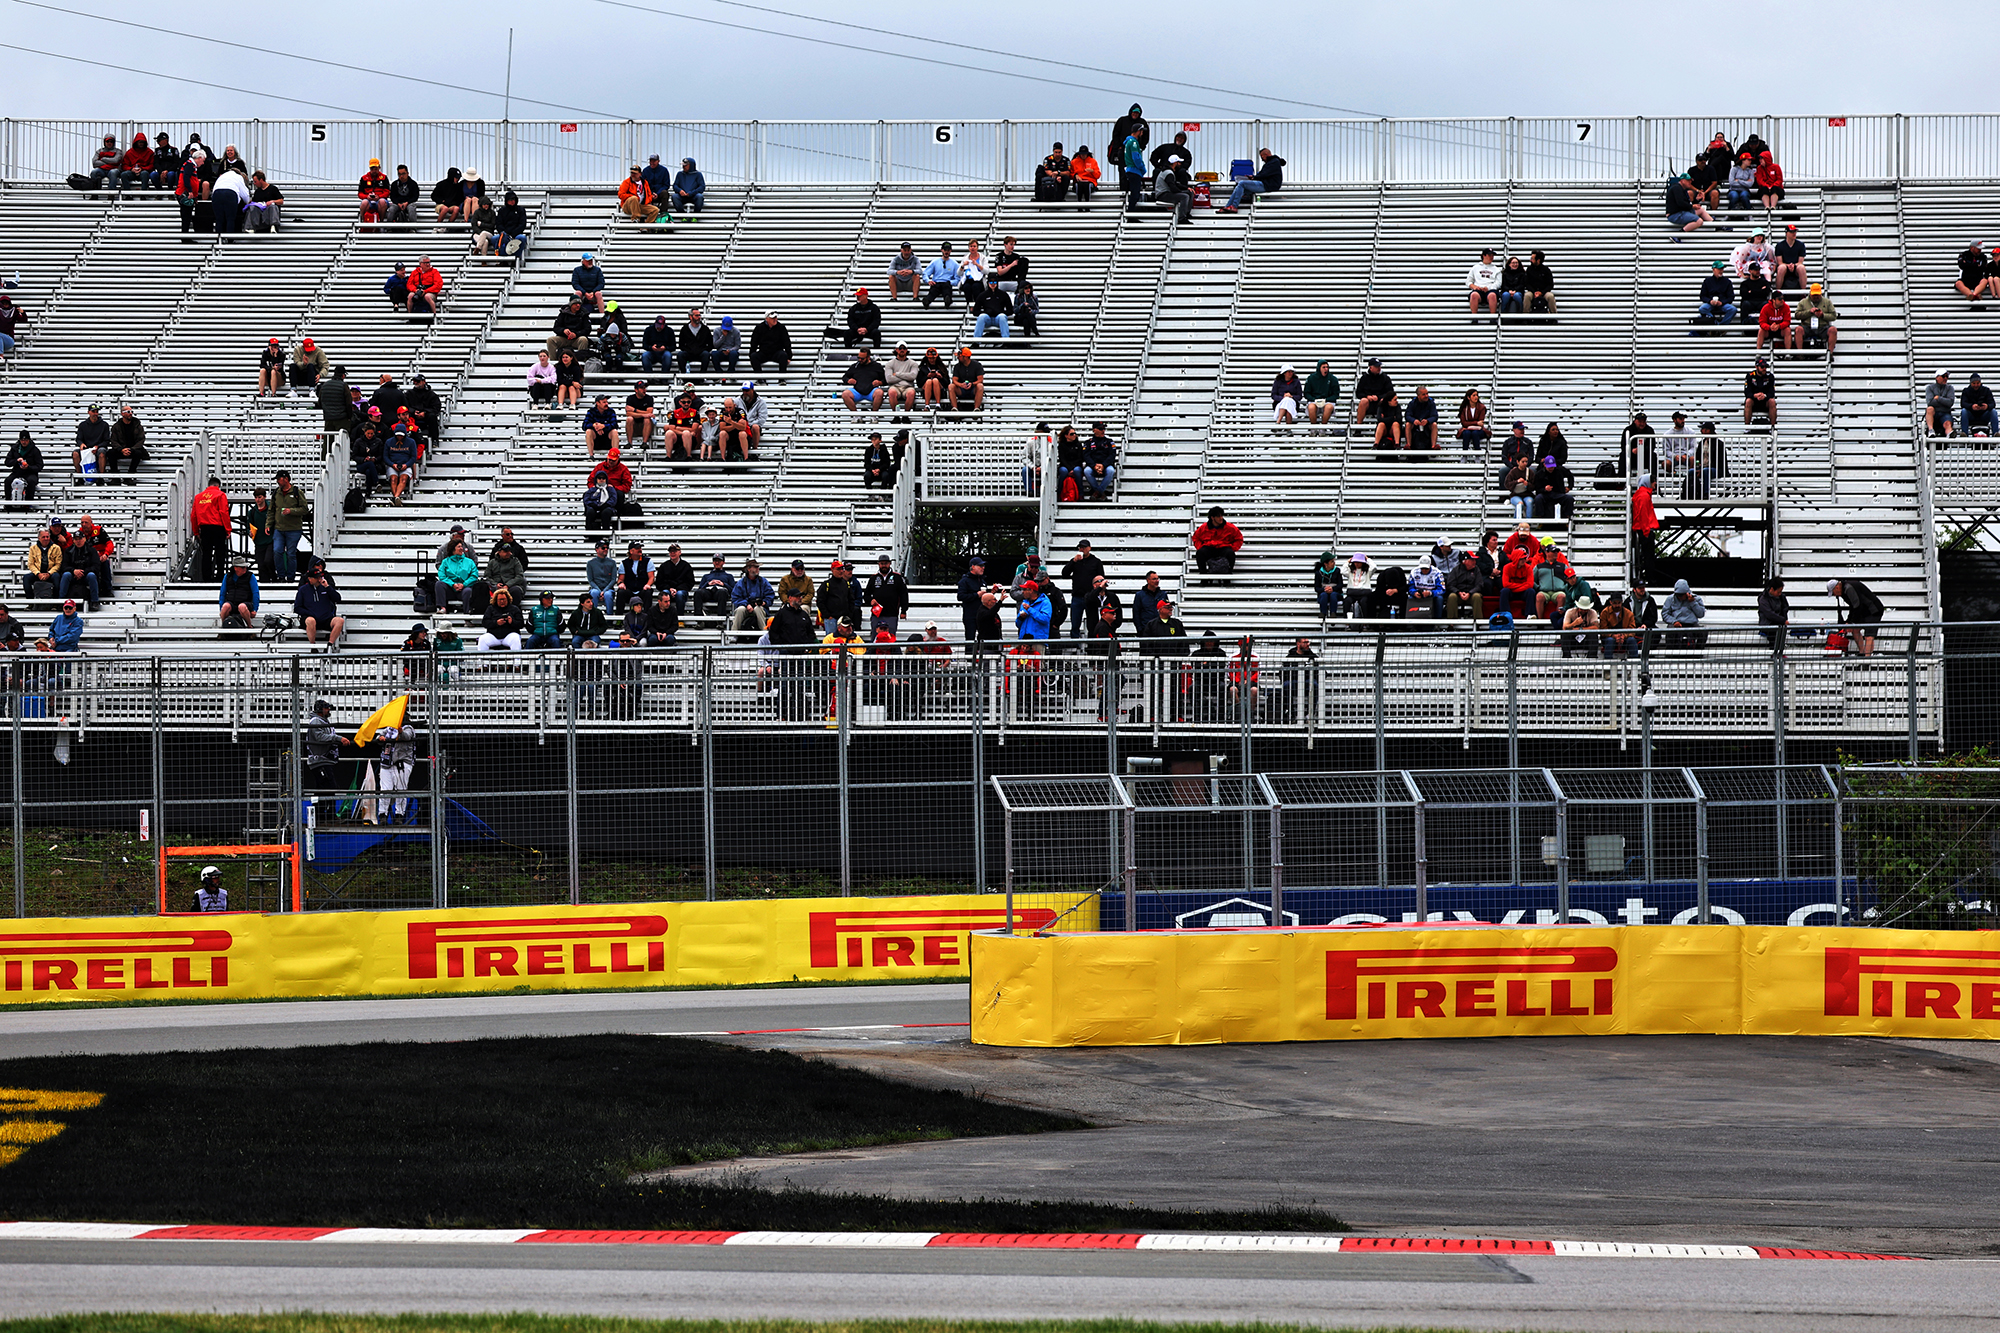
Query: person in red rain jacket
[
  {"x": 373, "y": 192},
  {"x": 1517, "y": 583},
  {"x": 1645, "y": 522},
  {"x": 210, "y": 515},
  {"x": 1216, "y": 543},
  {"x": 1770, "y": 181},
  {"x": 426, "y": 286}
]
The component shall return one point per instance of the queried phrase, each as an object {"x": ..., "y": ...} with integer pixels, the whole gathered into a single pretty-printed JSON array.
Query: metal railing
[{"x": 1532, "y": 150}]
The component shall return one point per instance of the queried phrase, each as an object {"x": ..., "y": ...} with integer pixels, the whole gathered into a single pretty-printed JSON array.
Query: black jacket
[
  {"x": 1774, "y": 608},
  {"x": 694, "y": 341},
  {"x": 1081, "y": 571},
  {"x": 770, "y": 343},
  {"x": 1717, "y": 287},
  {"x": 572, "y": 320},
  {"x": 1860, "y": 603},
  {"x": 422, "y": 400},
  {"x": 658, "y": 337},
  {"x": 513, "y": 219},
  {"x": 791, "y": 626},
  {"x": 404, "y": 192},
  {"x": 1164, "y": 636},
  {"x": 1374, "y": 384},
  {"x": 839, "y": 599},
  {"x": 1272, "y": 174},
  {"x": 888, "y": 591},
  {"x": 25, "y": 456},
  {"x": 864, "y": 315}
]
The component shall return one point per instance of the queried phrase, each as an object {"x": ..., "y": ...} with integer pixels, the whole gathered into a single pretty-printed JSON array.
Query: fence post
[
  {"x": 708, "y": 772},
  {"x": 1780, "y": 689},
  {"x": 1007, "y": 833},
  {"x": 20, "y": 809},
  {"x": 1110, "y": 741},
  {"x": 1910, "y": 688},
  {"x": 440, "y": 875},
  {"x": 1423, "y": 865},
  {"x": 1131, "y": 873},
  {"x": 298, "y": 793},
  {"x": 842, "y": 704},
  {"x": 1381, "y": 768},
  {"x": 979, "y": 773},
  {"x": 1277, "y": 864},
  {"x": 569, "y": 763},
  {"x": 1562, "y": 848},
  {"x": 1701, "y": 857},
  {"x": 1646, "y": 707},
  {"x": 159, "y": 783},
  {"x": 1514, "y": 757},
  {"x": 1839, "y": 852},
  {"x": 1245, "y": 717}
]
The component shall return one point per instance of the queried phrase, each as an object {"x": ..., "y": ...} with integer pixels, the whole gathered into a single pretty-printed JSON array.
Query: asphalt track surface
[{"x": 1824, "y": 1143}]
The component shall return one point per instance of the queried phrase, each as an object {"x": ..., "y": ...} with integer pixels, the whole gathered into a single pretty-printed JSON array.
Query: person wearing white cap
[
  {"x": 888, "y": 596},
  {"x": 1939, "y": 397},
  {"x": 211, "y": 896},
  {"x": 770, "y": 344},
  {"x": 1288, "y": 396}
]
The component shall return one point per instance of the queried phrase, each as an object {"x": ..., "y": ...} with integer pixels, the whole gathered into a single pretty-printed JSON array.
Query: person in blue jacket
[
  {"x": 658, "y": 179},
  {"x": 66, "y": 633},
  {"x": 586, "y": 282},
  {"x": 689, "y": 187},
  {"x": 1131, "y": 169},
  {"x": 239, "y": 594},
  {"x": 1031, "y": 617},
  {"x": 752, "y": 599}
]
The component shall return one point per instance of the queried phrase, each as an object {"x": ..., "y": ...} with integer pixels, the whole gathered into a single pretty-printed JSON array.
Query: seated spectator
[
  {"x": 600, "y": 426},
  {"x": 1813, "y": 323},
  {"x": 1374, "y": 392},
  {"x": 586, "y": 624},
  {"x": 265, "y": 208},
  {"x": 1938, "y": 400},
  {"x": 639, "y": 415},
  {"x": 1718, "y": 297},
  {"x": 637, "y": 578},
  {"x": 1858, "y": 608},
  {"x": 1579, "y": 624},
  {"x": 1552, "y": 579},
  {"x": 542, "y": 380},
  {"x": 1322, "y": 395},
  {"x": 1513, "y": 287},
  {"x": 1473, "y": 432},
  {"x": 750, "y": 417},
  {"x": 694, "y": 343},
  {"x": 135, "y": 165},
  {"x": 728, "y": 346},
  {"x": 475, "y": 192},
  {"x": 93, "y": 439},
  {"x": 1682, "y": 614},
  {"x": 904, "y": 271},
  {"x": 752, "y": 599},
  {"x": 309, "y": 367},
  {"x": 502, "y": 623},
  {"x": 1974, "y": 281},
  {"x": 1553, "y": 444},
  {"x": 1216, "y": 543},
  {"x": 1288, "y": 396},
  {"x": 373, "y": 192},
  {"x": 505, "y": 569},
  {"x": 1086, "y": 172},
  {"x": 24, "y": 468},
  {"x": 1270, "y": 179},
  {"x": 166, "y": 163},
  {"x": 1791, "y": 257},
  {"x": 689, "y": 188},
  {"x": 1463, "y": 587},
  {"x": 663, "y": 623},
  {"x": 1360, "y": 580},
  {"x": 316, "y": 604},
  {"x": 878, "y": 466},
  {"x": 993, "y": 306},
  {"x": 271, "y": 368},
  {"x": 1052, "y": 177},
  {"x": 1420, "y": 421},
  {"x": 448, "y": 196},
  {"x": 1010, "y": 268},
  {"x": 1760, "y": 390},
  {"x": 1070, "y": 461},
  {"x": 1770, "y": 181},
  {"x": 128, "y": 444},
  {"x": 486, "y": 233},
  {"x": 1977, "y": 416},
  {"x": 683, "y": 429},
  {"x": 941, "y": 277},
  {"x": 1618, "y": 616},
  {"x": 11, "y": 318},
  {"x": 586, "y": 283},
  {"x": 1329, "y": 588},
  {"x": 545, "y": 623},
  {"x": 1100, "y": 464},
  {"x": 572, "y": 330},
  {"x": 1684, "y": 213},
  {"x": 1774, "y": 321},
  {"x": 1028, "y": 310},
  {"x": 402, "y": 193},
  {"x": 613, "y": 473},
  {"x": 1482, "y": 282},
  {"x": 238, "y": 596},
  {"x": 399, "y": 457},
  {"x": 1540, "y": 284},
  {"x": 44, "y": 565},
  {"x": 1553, "y": 486},
  {"x": 1756, "y": 254},
  {"x": 1517, "y": 487},
  {"x": 600, "y": 574},
  {"x": 770, "y": 344},
  {"x": 968, "y": 383},
  {"x": 899, "y": 374},
  {"x": 657, "y": 346},
  {"x": 1742, "y": 182},
  {"x": 1171, "y": 188},
  {"x": 713, "y": 591},
  {"x": 635, "y": 198},
  {"x": 1774, "y": 612},
  {"x": 569, "y": 380},
  {"x": 1426, "y": 589},
  {"x": 862, "y": 382},
  {"x": 512, "y": 236},
  {"x": 425, "y": 285},
  {"x": 65, "y": 632},
  {"x": 106, "y": 164},
  {"x": 933, "y": 378}
]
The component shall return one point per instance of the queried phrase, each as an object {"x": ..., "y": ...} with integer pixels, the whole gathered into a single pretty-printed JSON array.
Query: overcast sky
[{"x": 1413, "y": 58}]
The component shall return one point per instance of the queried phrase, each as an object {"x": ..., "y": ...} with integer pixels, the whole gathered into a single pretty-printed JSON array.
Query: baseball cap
[{"x": 1374, "y": 361}]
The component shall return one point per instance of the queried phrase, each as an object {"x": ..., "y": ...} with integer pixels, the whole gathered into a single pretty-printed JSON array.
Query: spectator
[
  {"x": 1085, "y": 573},
  {"x": 425, "y": 407},
  {"x": 128, "y": 444},
  {"x": 209, "y": 516},
  {"x": 1270, "y": 179},
  {"x": 1553, "y": 443},
  {"x": 237, "y": 596},
  {"x": 1288, "y": 396},
  {"x": 694, "y": 343},
  {"x": 613, "y": 473},
  {"x": 1100, "y": 463},
  {"x": 751, "y": 416},
  {"x": 506, "y": 569},
  {"x": 1010, "y": 267},
  {"x": 600, "y": 574},
  {"x": 1770, "y": 181},
  {"x": 1977, "y": 417},
  {"x": 502, "y": 623},
  {"x": 1791, "y": 259},
  {"x": 770, "y": 344},
  {"x": 683, "y": 430},
  {"x": 1552, "y": 579},
  {"x": 544, "y": 623},
  {"x": 425, "y": 286},
  {"x": 512, "y": 225},
  {"x": 1513, "y": 289},
  {"x": 24, "y": 468},
  {"x": 1718, "y": 297},
  {"x": 86, "y": 566},
  {"x": 402, "y": 196},
  {"x": 166, "y": 163},
  {"x": 93, "y": 440},
  {"x": 586, "y": 624},
  {"x": 1774, "y": 612},
  {"x": 43, "y": 563},
  {"x": 316, "y": 603},
  {"x": 271, "y": 368},
  {"x": 968, "y": 381},
  {"x": 1938, "y": 400},
  {"x": 1322, "y": 395},
  {"x": 373, "y": 192},
  {"x": 1517, "y": 584},
  {"x": 1683, "y": 212},
  {"x": 1754, "y": 254},
  {"x": 66, "y": 631},
  {"x": 689, "y": 189},
  {"x": 1516, "y": 487},
  {"x": 228, "y": 193},
  {"x": 1472, "y": 429},
  {"x": 635, "y": 197},
  {"x": 399, "y": 457},
  {"x": 1682, "y": 614},
  {"x": 105, "y": 164},
  {"x": 637, "y": 577},
  {"x": 863, "y": 382},
  {"x": 1774, "y": 321},
  {"x": 190, "y": 187},
  {"x": 1974, "y": 280},
  {"x": 1618, "y": 616},
  {"x": 797, "y": 581},
  {"x": 1174, "y": 154},
  {"x": 448, "y": 196},
  {"x": 639, "y": 415},
  {"x": 569, "y": 381},
  {"x": 1052, "y": 177},
  {"x": 135, "y": 165},
  {"x": 264, "y": 208},
  {"x": 1540, "y": 284},
  {"x": 864, "y": 322},
  {"x": 1374, "y": 391},
  {"x": 1645, "y": 611},
  {"x": 572, "y": 330},
  {"x": 541, "y": 380},
  {"x": 1645, "y": 521},
  {"x": 978, "y": 613},
  {"x": 941, "y": 277},
  {"x": 657, "y": 346},
  {"x": 1760, "y": 390},
  {"x": 713, "y": 590},
  {"x": 1579, "y": 624},
  {"x": 887, "y": 596},
  {"x": 11, "y": 318},
  {"x": 878, "y": 466},
  {"x": 600, "y": 426},
  {"x": 1426, "y": 588},
  {"x": 1857, "y": 607},
  {"x": 1553, "y": 486},
  {"x": 1753, "y": 294},
  {"x": 1482, "y": 282},
  {"x": 728, "y": 346},
  {"x": 586, "y": 284},
  {"x": 1032, "y": 612},
  {"x": 1329, "y": 588},
  {"x": 993, "y": 306},
  {"x": 1742, "y": 183},
  {"x": 1813, "y": 323},
  {"x": 1216, "y": 543},
  {"x": 1421, "y": 421},
  {"x": 1085, "y": 173},
  {"x": 1028, "y": 309},
  {"x": 933, "y": 378},
  {"x": 1171, "y": 188},
  {"x": 1462, "y": 586},
  {"x": 839, "y": 599}
]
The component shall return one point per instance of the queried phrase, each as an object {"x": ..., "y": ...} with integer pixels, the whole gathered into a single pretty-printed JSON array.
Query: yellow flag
[{"x": 388, "y": 715}]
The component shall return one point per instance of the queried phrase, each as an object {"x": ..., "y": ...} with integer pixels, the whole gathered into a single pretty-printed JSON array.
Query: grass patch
[
  {"x": 587, "y": 1323},
  {"x": 529, "y": 1323},
  {"x": 518, "y": 1132}
]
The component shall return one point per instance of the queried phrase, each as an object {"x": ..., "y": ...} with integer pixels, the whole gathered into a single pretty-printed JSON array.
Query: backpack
[
  {"x": 1069, "y": 491},
  {"x": 1500, "y": 620},
  {"x": 356, "y": 501},
  {"x": 1607, "y": 476},
  {"x": 421, "y": 601},
  {"x": 477, "y": 596},
  {"x": 78, "y": 181}
]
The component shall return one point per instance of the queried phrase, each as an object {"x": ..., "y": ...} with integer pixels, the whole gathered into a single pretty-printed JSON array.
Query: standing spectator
[
  {"x": 887, "y": 595},
  {"x": 770, "y": 344},
  {"x": 1645, "y": 522},
  {"x": 941, "y": 277},
  {"x": 973, "y": 609},
  {"x": 1857, "y": 607},
  {"x": 968, "y": 380},
  {"x": 1421, "y": 421},
  {"x": 1288, "y": 396},
  {"x": 316, "y": 603},
  {"x": 1085, "y": 572},
  {"x": 1539, "y": 283},
  {"x": 1270, "y": 179},
  {"x": 1322, "y": 395},
  {"x": 209, "y": 515},
  {"x": 839, "y": 600},
  {"x": 1216, "y": 543},
  {"x": 690, "y": 189},
  {"x": 1131, "y": 167},
  {"x": 190, "y": 188},
  {"x": 1813, "y": 323},
  {"x": 288, "y": 522},
  {"x": 1482, "y": 283},
  {"x": 1760, "y": 390},
  {"x": 229, "y": 192},
  {"x": 1032, "y": 613},
  {"x": 1172, "y": 154}
]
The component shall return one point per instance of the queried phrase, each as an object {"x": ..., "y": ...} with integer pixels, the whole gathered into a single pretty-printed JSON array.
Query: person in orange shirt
[
  {"x": 635, "y": 198},
  {"x": 1085, "y": 172}
]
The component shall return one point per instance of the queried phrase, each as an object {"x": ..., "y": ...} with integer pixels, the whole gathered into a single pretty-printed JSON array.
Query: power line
[
  {"x": 1045, "y": 60},
  {"x": 181, "y": 78},
  {"x": 314, "y": 60},
  {"x": 899, "y": 55}
]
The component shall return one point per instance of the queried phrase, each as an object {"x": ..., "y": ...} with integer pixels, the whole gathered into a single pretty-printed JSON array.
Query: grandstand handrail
[
  {"x": 479, "y": 343},
  {"x": 1152, "y": 320},
  {"x": 1488, "y": 149},
  {"x": 903, "y": 509},
  {"x": 189, "y": 479},
  {"x": 1920, "y": 446},
  {"x": 329, "y": 501},
  {"x": 1049, "y": 493}
]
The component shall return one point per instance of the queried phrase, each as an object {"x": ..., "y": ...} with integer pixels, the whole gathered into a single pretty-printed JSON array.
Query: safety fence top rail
[
  {"x": 1622, "y": 787},
  {"x": 1473, "y": 788},
  {"x": 1203, "y": 791},
  {"x": 1060, "y": 793},
  {"x": 1473, "y": 149},
  {"x": 1332, "y": 791},
  {"x": 1759, "y": 786}
]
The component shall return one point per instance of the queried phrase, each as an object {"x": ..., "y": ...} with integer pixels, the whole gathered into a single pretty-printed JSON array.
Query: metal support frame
[
  {"x": 1839, "y": 849},
  {"x": 1910, "y": 673},
  {"x": 979, "y": 776},
  {"x": 1779, "y": 692},
  {"x": 1646, "y": 777},
  {"x": 1421, "y": 878},
  {"x": 1381, "y": 765},
  {"x": 843, "y": 703},
  {"x": 20, "y": 804},
  {"x": 1131, "y": 873},
  {"x": 159, "y": 790},
  {"x": 298, "y": 792},
  {"x": 1562, "y": 846},
  {"x": 1701, "y": 912},
  {"x": 1007, "y": 850},
  {"x": 1513, "y": 757},
  {"x": 708, "y": 773},
  {"x": 440, "y": 879},
  {"x": 1277, "y": 852},
  {"x": 575, "y": 833}
]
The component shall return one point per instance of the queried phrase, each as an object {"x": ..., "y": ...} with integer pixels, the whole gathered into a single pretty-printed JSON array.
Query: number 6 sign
[{"x": 942, "y": 133}]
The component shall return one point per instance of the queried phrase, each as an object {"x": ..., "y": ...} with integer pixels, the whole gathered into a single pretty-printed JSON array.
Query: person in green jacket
[
  {"x": 545, "y": 623},
  {"x": 291, "y": 510},
  {"x": 1552, "y": 579},
  {"x": 1322, "y": 395},
  {"x": 455, "y": 573}
]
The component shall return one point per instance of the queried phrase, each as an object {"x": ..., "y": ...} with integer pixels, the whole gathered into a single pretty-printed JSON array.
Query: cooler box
[
  {"x": 1200, "y": 191},
  {"x": 1242, "y": 169}
]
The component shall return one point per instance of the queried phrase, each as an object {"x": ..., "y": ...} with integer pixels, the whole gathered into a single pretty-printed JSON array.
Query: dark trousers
[
  {"x": 211, "y": 552},
  {"x": 938, "y": 289},
  {"x": 1215, "y": 560}
]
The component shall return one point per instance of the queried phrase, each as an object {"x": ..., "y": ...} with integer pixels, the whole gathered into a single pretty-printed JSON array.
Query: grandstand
[{"x": 1170, "y": 333}]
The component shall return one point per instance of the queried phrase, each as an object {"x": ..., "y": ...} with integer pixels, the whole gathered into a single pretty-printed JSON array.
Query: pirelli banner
[
  {"x": 248, "y": 956},
  {"x": 1336, "y": 984}
]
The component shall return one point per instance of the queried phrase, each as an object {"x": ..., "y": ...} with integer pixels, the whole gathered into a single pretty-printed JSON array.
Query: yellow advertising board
[
  {"x": 240, "y": 955},
  {"x": 1332, "y": 984}
]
